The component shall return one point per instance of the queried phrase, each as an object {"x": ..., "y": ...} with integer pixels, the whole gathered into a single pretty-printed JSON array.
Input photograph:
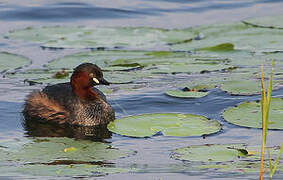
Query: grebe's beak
[{"x": 101, "y": 81}]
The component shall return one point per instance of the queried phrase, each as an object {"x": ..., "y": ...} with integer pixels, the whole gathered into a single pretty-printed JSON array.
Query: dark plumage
[{"x": 75, "y": 103}]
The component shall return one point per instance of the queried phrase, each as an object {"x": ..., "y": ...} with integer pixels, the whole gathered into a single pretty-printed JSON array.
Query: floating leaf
[
  {"x": 152, "y": 62},
  {"x": 248, "y": 114},
  {"x": 168, "y": 124},
  {"x": 242, "y": 36},
  {"x": 60, "y": 157},
  {"x": 241, "y": 87},
  {"x": 189, "y": 67},
  {"x": 83, "y": 37},
  {"x": 267, "y": 21},
  {"x": 219, "y": 47},
  {"x": 222, "y": 157},
  {"x": 39, "y": 76},
  {"x": 69, "y": 170},
  {"x": 11, "y": 61},
  {"x": 65, "y": 149},
  {"x": 118, "y": 59},
  {"x": 209, "y": 153},
  {"x": 61, "y": 74},
  {"x": 186, "y": 94},
  {"x": 242, "y": 167}
]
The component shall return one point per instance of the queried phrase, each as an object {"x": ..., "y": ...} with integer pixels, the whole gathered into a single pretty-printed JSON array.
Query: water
[{"x": 153, "y": 154}]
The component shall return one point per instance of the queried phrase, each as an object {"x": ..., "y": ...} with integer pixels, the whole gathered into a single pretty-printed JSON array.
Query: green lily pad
[
  {"x": 209, "y": 153},
  {"x": 242, "y": 36},
  {"x": 189, "y": 67},
  {"x": 42, "y": 34},
  {"x": 152, "y": 62},
  {"x": 47, "y": 150},
  {"x": 241, "y": 87},
  {"x": 267, "y": 21},
  {"x": 223, "y": 157},
  {"x": 242, "y": 167},
  {"x": 83, "y": 37},
  {"x": 111, "y": 60},
  {"x": 68, "y": 170},
  {"x": 61, "y": 157},
  {"x": 39, "y": 76},
  {"x": 48, "y": 76},
  {"x": 146, "y": 125},
  {"x": 248, "y": 114},
  {"x": 186, "y": 94},
  {"x": 219, "y": 47},
  {"x": 237, "y": 58},
  {"x": 11, "y": 61}
]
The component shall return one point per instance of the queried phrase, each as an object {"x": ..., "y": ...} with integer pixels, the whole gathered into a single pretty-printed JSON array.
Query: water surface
[{"x": 153, "y": 154}]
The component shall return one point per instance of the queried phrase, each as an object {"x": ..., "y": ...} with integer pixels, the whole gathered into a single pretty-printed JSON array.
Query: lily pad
[
  {"x": 69, "y": 170},
  {"x": 188, "y": 67},
  {"x": 118, "y": 59},
  {"x": 242, "y": 167},
  {"x": 220, "y": 47},
  {"x": 186, "y": 94},
  {"x": 11, "y": 61},
  {"x": 62, "y": 157},
  {"x": 146, "y": 125},
  {"x": 248, "y": 114},
  {"x": 209, "y": 153},
  {"x": 223, "y": 157},
  {"x": 47, "y": 150},
  {"x": 39, "y": 76},
  {"x": 83, "y": 37},
  {"x": 266, "y": 21},
  {"x": 241, "y": 87},
  {"x": 242, "y": 36},
  {"x": 152, "y": 62}
]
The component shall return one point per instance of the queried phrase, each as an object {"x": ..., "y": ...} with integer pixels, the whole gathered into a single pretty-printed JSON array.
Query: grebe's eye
[{"x": 91, "y": 75}]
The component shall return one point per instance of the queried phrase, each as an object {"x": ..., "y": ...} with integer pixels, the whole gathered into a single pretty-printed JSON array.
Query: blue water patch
[
  {"x": 67, "y": 11},
  {"x": 11, "y": 116},
  {"x": 73, "y": 10}
]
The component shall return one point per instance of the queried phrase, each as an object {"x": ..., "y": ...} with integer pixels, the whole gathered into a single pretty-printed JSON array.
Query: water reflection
[{"x": 35, "y": 128}]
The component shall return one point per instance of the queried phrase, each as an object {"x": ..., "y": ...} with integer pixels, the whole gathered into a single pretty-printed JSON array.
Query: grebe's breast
[
  {"x": 82, "y": 112},
  {"x": 91, "y": 113}
]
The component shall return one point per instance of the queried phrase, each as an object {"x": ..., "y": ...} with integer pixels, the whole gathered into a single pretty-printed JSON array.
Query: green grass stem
[
  {"x": 265, "y": 106},
  {"x": 273, "y": 167}
]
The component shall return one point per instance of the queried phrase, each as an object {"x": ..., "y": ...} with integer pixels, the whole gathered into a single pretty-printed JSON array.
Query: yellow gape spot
[{"x": 95, "y": 80}]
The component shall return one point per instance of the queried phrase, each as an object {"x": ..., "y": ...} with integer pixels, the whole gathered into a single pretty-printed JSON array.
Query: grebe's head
[{"x": 87, "y": 75}]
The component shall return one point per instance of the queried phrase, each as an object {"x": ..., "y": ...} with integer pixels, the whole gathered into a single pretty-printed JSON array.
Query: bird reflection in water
[{"x": 36, "y": 128}]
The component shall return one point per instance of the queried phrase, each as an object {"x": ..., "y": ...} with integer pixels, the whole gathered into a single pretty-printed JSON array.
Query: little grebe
[{"x": 75, "y": 102}]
